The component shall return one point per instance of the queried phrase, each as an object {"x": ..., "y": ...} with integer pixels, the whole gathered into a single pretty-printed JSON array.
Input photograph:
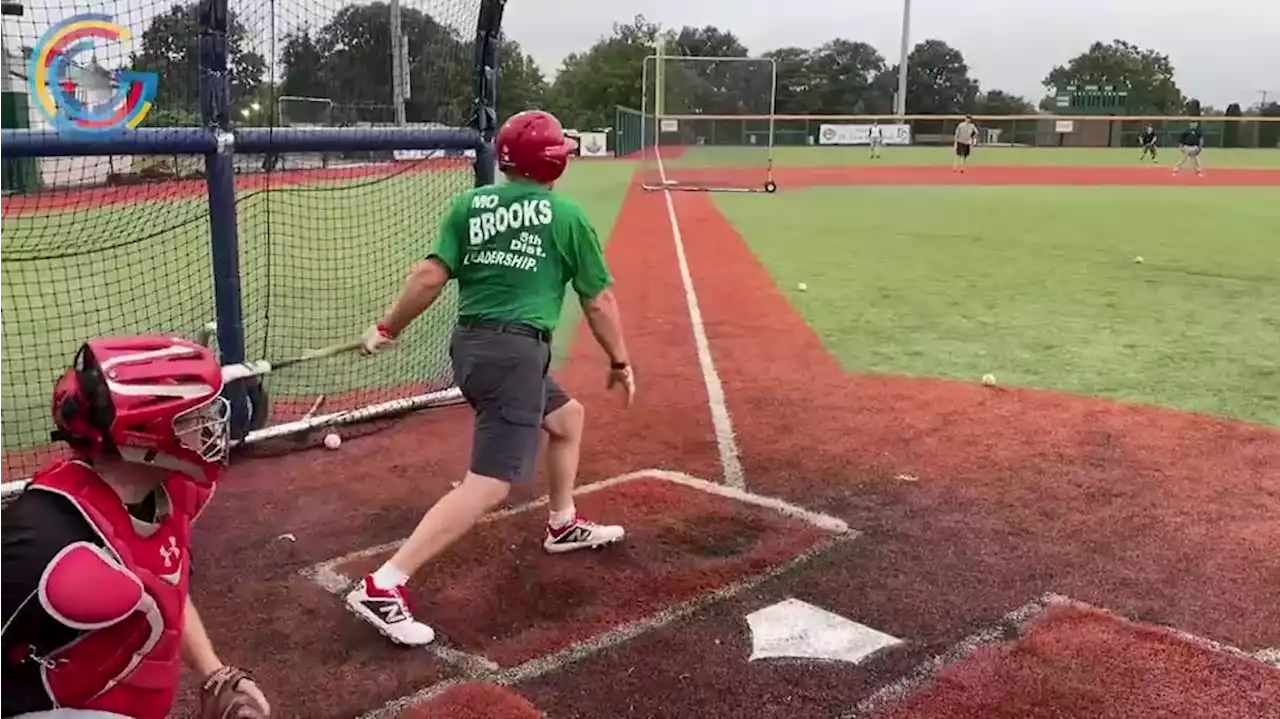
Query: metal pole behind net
[
  {"x": 398, "y": 74},
  {"x": 901, "y": 108}
]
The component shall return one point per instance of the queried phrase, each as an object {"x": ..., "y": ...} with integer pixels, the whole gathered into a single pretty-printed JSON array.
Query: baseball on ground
[
  {"x": 332, "y": 440},
  {"x": 988, "y": 379},
  {"x": 802, "y": 287}
]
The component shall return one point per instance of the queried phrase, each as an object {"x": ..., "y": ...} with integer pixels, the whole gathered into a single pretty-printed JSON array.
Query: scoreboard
[{"x": 1092, "y": 99}]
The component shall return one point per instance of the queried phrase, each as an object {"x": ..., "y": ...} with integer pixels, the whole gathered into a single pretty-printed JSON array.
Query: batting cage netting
[
  {"x": 707, "y": 123},
  {"x": 270, "y": 209}
]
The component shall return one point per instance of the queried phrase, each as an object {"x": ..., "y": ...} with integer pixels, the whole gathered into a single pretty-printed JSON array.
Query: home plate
[{"x": 797, "y": 629}]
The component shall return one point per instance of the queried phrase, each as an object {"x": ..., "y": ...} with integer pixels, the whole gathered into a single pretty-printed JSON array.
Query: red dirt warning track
[
  {"x": 971, "y": 501},
  {"x": 1084, "y": 662},
  {"x": 474, "y": 700}
]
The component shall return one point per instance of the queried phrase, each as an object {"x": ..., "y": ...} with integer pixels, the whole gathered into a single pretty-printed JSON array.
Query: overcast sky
[{"x": 1222, "y": 52}]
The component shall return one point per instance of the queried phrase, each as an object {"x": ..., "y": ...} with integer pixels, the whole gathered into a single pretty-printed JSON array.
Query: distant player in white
[
  {"x": 876, "y": 136},
  {"x": 966, "y": 136}
]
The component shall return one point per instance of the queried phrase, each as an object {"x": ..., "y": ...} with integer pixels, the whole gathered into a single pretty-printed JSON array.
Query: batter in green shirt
[{"x": 513, "y": 247}]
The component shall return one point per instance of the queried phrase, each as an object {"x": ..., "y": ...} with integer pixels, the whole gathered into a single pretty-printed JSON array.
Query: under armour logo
[{"x": 171, "y": 553}]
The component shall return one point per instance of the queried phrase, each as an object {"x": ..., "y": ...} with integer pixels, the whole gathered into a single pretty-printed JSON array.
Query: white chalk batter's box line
[
  {"x": 474, "y": 667},
  {"x": 1012, "y": 625}
]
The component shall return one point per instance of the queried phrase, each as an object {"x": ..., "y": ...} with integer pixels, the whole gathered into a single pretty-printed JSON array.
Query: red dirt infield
[
  {"x": 1087, "y": 662},
  {"x": 473, "y": 700},
  {"x": 500, "y": 597},
  {"x": 968, "y": 501}
]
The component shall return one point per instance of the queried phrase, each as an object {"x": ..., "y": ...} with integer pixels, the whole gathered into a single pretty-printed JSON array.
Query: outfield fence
[
  {"x": 266, "y": 227},
  {"x": 994, "y": 130}
]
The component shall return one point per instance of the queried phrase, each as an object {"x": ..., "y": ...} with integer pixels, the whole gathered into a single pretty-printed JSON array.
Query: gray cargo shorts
[{"x": 501, "y": 369}]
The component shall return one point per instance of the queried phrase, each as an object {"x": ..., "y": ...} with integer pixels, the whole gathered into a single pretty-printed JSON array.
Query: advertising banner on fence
[{"x": 861, "y": 134}]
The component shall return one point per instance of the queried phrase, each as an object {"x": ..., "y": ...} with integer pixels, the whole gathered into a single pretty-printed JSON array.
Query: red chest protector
[{"x": 129, "y": 598}]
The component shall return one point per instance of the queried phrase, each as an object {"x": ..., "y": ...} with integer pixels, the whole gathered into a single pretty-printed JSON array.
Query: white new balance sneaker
[
  {"x": 389, "y": 612},
  {"x": 581, "y": 534}
]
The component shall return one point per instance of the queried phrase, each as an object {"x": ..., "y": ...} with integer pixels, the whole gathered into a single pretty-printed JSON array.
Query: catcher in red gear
[{"x": 98, "y": 620}]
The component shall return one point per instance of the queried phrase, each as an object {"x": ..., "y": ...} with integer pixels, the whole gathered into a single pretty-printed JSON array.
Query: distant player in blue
[
  {"x": 1149, "y": 141},
  {"x": 1191, "y": 143}
]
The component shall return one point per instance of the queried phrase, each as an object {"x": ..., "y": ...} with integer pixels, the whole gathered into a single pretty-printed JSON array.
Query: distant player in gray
[
  {"x": 1150, "y": 141},
  {"x": 875, "y": 135},
  {"x": 1191, "y": 143},
  {"x": 966, "y": 136}
]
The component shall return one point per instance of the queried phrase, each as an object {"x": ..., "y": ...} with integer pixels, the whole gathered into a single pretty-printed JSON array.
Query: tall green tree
[
  {"x": 170, "y": 48},
  {"x": 700, "y": 86},
  {"x": 695, "y": 82},
  {"x": 838, "y": 77},
  {"x": 999, "y": 102},
  {"x": 348, "y": 61},
  {"x": 795, "y": 80},
  {"x": 1147, "y": 73},
  {"x": 708, "y": 41},
  {"x": 938, "y": 81},
  {"x": 521, "y": 85},
  {"x": 842, "y": 78},
  {"x": 592, "y": 82}
]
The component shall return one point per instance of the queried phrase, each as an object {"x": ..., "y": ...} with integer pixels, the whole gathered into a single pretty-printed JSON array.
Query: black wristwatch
[{"x": 619, "y": 366}]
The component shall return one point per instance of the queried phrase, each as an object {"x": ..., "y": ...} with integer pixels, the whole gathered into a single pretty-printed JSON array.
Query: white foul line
[{"x": 730, "y": 456}]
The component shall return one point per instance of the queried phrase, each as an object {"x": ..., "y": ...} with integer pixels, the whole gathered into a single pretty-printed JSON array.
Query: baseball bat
[{"x": 258, "y": 368}]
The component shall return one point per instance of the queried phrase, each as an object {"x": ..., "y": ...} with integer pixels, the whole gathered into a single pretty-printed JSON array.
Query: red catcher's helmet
[
  {"x": 153, "y": 399},
  {"x": 532, "y": 144}
]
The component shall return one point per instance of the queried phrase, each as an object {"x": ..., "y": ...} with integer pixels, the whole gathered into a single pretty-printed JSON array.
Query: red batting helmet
[
  {"x": 532, "y": 144},
  {"x": 153, "y": 399}
]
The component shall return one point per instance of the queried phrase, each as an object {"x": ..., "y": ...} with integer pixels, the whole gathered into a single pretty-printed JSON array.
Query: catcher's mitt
[{"x": 222, "y": 698}]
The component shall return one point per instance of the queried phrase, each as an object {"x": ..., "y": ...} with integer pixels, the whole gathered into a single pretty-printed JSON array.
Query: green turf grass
[
  {"x": 1039, "y": 286},
  {"x": 832, "y": 156}
]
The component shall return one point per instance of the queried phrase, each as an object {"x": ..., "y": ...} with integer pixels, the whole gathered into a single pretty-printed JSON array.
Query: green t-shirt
[{"x": 513, "y": 247}]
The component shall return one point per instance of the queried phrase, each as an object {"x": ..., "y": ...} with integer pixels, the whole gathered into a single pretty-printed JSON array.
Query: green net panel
[{"x": 121, "y": 244}]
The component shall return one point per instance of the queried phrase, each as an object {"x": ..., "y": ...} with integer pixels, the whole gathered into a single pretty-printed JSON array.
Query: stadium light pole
[
  {"x": 901, "y": 99},
  {"x": 397, "y": 66}
]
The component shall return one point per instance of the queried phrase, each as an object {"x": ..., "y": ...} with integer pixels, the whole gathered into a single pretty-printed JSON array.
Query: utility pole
[{"x": 901, "y": 104}]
